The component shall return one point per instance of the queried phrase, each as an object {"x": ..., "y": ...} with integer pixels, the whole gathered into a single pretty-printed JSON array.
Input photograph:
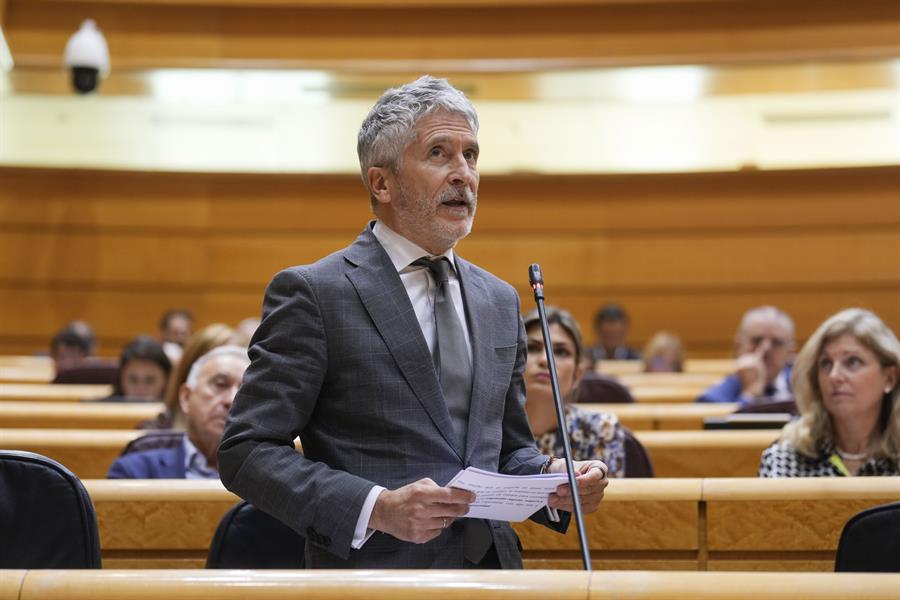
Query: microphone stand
[{"x": 537, "y": 284}]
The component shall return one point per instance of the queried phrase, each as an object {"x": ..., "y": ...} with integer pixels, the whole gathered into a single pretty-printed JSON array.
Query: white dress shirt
[{"x": 421, "y": 289}]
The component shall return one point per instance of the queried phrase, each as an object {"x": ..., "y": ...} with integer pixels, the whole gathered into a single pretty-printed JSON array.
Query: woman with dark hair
[
  {"x": 144, "y": 370},
  {"x": 593, "y": 435},
  {"x": 845, "y": 384}
]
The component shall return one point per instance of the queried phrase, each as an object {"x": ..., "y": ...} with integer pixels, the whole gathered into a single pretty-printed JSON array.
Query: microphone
[{"x": 536, "y": 278}]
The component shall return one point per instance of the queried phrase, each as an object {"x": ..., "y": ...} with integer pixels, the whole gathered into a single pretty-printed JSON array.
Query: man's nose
[{"x": 462, "y": 174}]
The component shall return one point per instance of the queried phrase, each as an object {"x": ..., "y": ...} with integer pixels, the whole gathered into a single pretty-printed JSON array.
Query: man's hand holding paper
[{"x": 591, "y": 479}]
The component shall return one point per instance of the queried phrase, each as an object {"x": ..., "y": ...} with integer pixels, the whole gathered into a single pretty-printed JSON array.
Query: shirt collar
[
  {"x": 402, "y": 251},
  {"x": 195, "y": 465}
]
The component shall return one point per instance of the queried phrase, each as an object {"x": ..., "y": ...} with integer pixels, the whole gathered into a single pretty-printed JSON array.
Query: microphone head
[{"x": 535, "y": 276}]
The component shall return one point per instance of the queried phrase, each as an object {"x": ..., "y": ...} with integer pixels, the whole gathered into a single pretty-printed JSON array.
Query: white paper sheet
[{"x": 506, "y": 497}]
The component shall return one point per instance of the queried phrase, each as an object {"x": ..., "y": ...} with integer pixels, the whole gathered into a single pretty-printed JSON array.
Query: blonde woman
[{"x": 845, "y": 385}]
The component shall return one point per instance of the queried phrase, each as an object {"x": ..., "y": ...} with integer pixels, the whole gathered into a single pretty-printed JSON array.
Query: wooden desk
[
  {"x": 706, "y": 453},
  {"x": 785, "y": 524},
  {"x": 76, "y": 415},
  {"x": 656, "y": 524},
  {"x": 715, "y": 366},
  {"x": 26, "y": 374},
  {"x": 87, "y": 452},
  {"x": 90, "y": 452},
  {"x": 155, "y": 523},
  {"x": 62, "y": 392},
  {"x": 667, "y": 416},
  {"x": 678, "y": 394},
  {"x": 698, "y": 381},
  {"x": 449, "y": 585},
  {"x": 12, "y": 360},
  {"x": 643, "y": 524}
]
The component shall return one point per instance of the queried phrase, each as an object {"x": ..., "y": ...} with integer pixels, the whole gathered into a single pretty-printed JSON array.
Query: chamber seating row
[
  {"x": 648, "y": 524},
  {"x": 90, "y": 452},
  {"x": 451, "y": 585}
]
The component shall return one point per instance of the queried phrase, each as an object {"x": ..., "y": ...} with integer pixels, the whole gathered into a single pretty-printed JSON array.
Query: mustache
[{"x": 463, "y": 194}]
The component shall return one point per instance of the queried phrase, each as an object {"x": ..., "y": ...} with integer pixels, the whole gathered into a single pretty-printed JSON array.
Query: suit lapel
[
  {"x": 382, "y": 293},
  {"x": 478, "y": 310}
]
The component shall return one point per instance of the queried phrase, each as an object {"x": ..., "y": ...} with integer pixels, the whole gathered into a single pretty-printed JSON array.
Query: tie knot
[{"x": 440, "y": 268}]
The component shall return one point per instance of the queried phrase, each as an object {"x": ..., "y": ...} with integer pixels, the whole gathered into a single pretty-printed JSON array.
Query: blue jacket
[
  {"x": 165, "y": 463},
  {"x": 729, "y": 389}
]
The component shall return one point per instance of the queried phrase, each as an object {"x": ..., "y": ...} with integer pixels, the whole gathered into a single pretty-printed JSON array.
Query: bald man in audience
[
  {"x": 765, "y": 348},
  {"x": 206, "y": 398}
]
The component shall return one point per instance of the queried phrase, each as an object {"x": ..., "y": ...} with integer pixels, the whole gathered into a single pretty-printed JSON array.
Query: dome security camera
[{"x": 87, "y": 55}]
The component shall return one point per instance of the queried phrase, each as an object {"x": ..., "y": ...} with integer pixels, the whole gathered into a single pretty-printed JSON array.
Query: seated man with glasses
[{"x": 765, "y": 348}]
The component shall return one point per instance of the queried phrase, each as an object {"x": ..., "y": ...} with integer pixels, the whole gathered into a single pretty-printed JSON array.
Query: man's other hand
[{"x": 419, "y": 511}]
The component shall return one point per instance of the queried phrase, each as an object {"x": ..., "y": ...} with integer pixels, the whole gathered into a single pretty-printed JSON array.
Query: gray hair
[
  {"x": 765, "y": 312},
  {"x": 391, "y": 124},
  {"x": 229, "y": 350}
]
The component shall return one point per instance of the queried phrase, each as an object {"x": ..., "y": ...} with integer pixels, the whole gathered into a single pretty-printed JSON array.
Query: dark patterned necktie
[
  {"x": 451, "y": 359},
  {"x": 451, "y": 355}
]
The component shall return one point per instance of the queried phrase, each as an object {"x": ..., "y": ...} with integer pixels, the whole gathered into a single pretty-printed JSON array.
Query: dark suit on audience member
[
  {"x": 164, "y": 463},
  {"x": 341, "y": 361}
]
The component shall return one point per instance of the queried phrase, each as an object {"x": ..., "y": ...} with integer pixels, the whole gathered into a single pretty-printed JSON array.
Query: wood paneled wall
[
  {"x": 422, "y": 33},
  {"x": 686, "y": 252}
]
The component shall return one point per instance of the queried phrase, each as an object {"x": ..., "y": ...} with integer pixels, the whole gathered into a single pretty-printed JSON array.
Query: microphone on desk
[{"x": 536, "y": 278}]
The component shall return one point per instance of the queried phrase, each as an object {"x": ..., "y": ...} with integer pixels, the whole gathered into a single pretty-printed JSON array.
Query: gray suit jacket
[{"x": 341, "y": 361}]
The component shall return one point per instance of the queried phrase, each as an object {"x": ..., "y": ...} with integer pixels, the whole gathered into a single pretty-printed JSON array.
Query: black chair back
[
  {"x": 870, "y": 541},
  {"x": 47, "y": 520},
  {"x": 96, "y": 373},
  {"x": 154, "y": 440},
  {"x": 637, "y": 460},
  {"x": 248, "y": 538},
  {"x": 598, "y": 389}
]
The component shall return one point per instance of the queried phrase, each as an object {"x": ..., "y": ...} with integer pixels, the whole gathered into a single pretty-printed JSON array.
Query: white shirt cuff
[
  {"x": 362, "y": 533},
  {"x": 552, "y": 514}
]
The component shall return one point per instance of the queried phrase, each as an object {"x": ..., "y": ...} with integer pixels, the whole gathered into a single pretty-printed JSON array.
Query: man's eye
[
  {"x": 471, "y": 155},
  {"x": 437, "y": 152}
]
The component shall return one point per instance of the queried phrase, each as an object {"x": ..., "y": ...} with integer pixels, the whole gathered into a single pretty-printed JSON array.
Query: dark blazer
[
  {"x": 165, "y": 463},
  {"x": 729, "y": 389},
  {"x": 341, "y": 361}
]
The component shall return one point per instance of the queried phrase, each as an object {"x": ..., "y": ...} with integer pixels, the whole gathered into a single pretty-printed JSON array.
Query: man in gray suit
[{"x": 395, "y": 373}]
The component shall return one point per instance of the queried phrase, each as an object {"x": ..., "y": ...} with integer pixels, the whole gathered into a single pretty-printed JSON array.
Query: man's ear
[
  {"x": 380, "y": 184},
  {"x": 184, "y": 395}
]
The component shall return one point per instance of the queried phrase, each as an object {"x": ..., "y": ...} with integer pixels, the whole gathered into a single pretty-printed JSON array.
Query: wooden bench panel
[
  {"x": 666, "y": 416},
  {"x": 694, "y": 524},
  {"x": 59, "y": 392},
  {"x": 638, "y": 527},
  {"x": 453, "y": 585},
  {"x": 27, "y": 374},
  {"x": 743, "y": 586},
  {"x": 88, "y": 453},
  {"x": 706, "y": 453},
  {"x": 157, "y": 524},
  {"x": 796, "y": 523},
  {"x": 312, "y": 585},
  {"x": 76, "y": 415}
]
